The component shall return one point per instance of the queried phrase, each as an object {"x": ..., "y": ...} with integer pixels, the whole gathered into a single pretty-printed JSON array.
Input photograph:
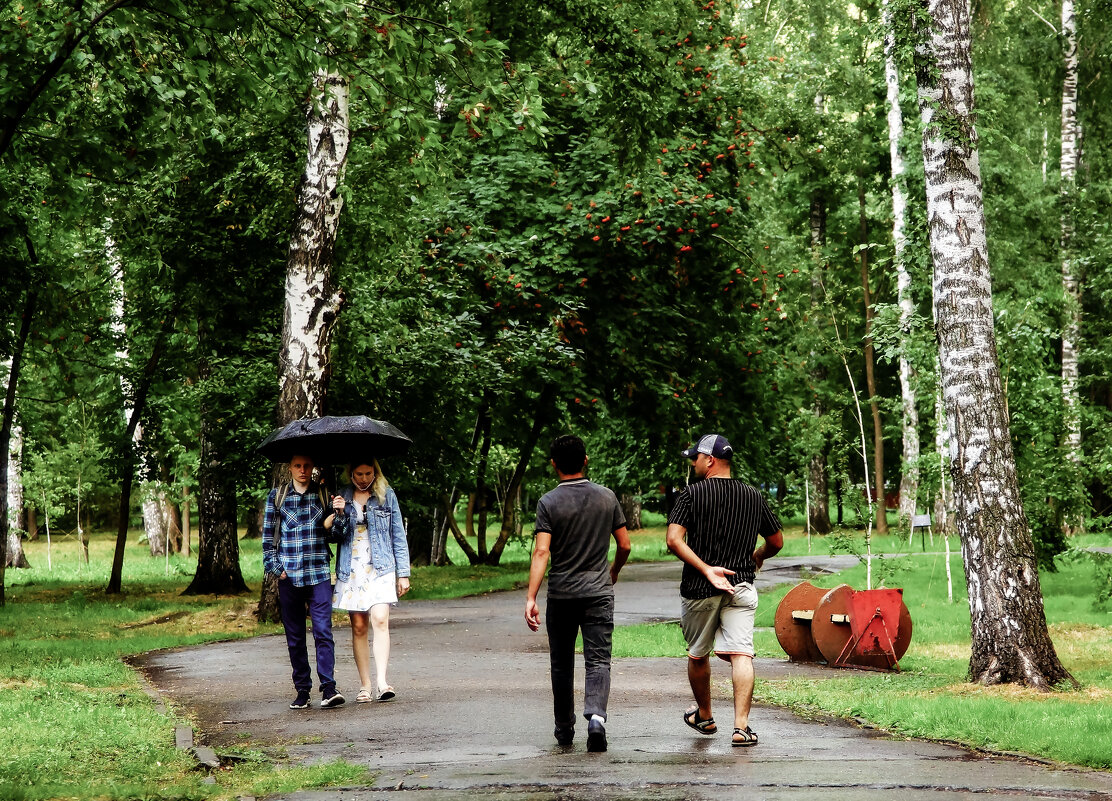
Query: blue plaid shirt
[{"x": 294, "y": 537}]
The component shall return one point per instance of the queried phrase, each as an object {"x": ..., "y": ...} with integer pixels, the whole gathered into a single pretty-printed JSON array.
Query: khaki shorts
[{"x": 722, "y": 623}]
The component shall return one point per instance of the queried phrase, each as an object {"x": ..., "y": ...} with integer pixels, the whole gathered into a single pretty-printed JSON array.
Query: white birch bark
[
  {"x": 944, "y": 502},
  {"x": 1010, "y": 642},
  {"x": 909, "y": 481},
  {"x": 312, "y": 301},
  {"x": 1070, "y": 281},
  {"x": 15, "y": 556}
]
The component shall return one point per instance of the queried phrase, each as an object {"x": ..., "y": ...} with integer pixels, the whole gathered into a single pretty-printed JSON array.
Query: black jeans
[{"x": 565, "y": 618}]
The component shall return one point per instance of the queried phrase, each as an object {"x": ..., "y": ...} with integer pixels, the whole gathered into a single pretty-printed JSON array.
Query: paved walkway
[{"x": 473, "y": 719}]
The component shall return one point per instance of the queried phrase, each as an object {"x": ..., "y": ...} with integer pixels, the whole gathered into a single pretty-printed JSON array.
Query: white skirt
[{"x": 363, "y": 589}]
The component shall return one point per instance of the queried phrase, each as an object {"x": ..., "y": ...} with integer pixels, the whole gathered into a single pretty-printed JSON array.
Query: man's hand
[
  {"x": 532, "y": 614},
  {"x": 403, "y": 586},
  {"x": 283, "y": 577},
  {"x": 717, "y": 577},
  {"x": 338, "y": 503}
]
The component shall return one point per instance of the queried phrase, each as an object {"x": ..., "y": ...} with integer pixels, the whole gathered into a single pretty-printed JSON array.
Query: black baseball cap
[{"x": 714, "y": 445}]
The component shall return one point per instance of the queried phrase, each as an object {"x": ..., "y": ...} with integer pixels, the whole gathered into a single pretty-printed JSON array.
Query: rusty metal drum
[{"x": 793, "y": 622}]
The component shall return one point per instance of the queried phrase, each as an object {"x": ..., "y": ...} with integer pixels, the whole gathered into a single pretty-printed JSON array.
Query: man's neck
[
  {"x": 572, "y": 477},
  {"x": 718, "y": 473},
  {"x": 299, "y": 487}
]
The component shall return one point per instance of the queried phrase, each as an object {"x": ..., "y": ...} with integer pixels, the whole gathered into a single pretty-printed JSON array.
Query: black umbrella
[{"x": 335, "y": 440}]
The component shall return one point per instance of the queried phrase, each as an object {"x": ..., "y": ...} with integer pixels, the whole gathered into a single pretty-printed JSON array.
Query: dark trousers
[
  {"x": 291, "y": 603},
  {"x": 565, "y": 618}
]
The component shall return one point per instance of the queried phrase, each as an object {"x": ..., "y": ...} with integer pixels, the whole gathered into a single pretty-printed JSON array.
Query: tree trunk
[
  {"x": 154, "y": 525},
  {"x": 943, "y": 520},
  {"x": 171, "y": 519},
  {"x": 255, "y": 517},
  {"x": 909, "y": 463},
  {"x": 154, "y": 522},
  {"x": 1010, "y": 641},
  {"x": 1071, "y": 283},
  {"x": 820, "y": 497},
  {"x": 138, "y": 404},
  {"x": 441, "y": 527},
  {"x": 461, "y": 538},
  {"x": 512, "y": 506},
  {"x": 631, "y": 508},
  {"x": 477, "y": 508},
  {"x": 186, "y": 523},
  {"x": 870, "y": 366},
  {"x": 418, "y": 535},
  {"x": 218, "y": 542},
  {"x": 8, "y": 419},
  {"x": 16, "y": 557},
  {"x": 312, "y": 302}
]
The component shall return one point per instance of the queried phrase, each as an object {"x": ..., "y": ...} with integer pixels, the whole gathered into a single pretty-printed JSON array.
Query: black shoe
[
  {"x": 596, "y": 736},
  {"x": 564, "y": 736},
  {"x": 332, "y": 698},
  {"x": 302, "y": 700}
]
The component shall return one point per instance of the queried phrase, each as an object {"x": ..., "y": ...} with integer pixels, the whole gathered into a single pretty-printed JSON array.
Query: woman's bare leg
[
  {"x": 361, "y": 648},
  {"x": 380, "y": 623}
]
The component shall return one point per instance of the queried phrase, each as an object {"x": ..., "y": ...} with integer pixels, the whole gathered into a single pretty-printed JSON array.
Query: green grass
[
  {"x": 931, "y": 697},
  {"x": 74, "y": 721}
]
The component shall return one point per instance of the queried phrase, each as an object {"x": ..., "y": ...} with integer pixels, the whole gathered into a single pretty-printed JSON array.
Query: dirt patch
[
  {"x": 1015, "y": 692},
  {"x": 154, "y": 621}
]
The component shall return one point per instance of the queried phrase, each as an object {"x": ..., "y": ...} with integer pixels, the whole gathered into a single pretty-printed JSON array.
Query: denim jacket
[{"x": 389, "y": 548}]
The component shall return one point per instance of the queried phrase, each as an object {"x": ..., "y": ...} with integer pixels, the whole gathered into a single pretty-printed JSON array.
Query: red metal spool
[
  {"x": 867, "y": 628},
  {"x": 793, "y": 622}
]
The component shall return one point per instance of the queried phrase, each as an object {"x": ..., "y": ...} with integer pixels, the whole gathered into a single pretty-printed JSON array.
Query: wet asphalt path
[{"x": 473, "y": 718}]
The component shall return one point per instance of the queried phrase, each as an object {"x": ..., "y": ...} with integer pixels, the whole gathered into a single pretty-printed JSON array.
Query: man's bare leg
[
  {"x": 742, "y": 674},
  {"x": 698, "y": 674}
]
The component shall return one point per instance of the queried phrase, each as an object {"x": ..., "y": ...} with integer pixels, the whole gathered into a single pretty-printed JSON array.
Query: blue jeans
[
  {"x": 565, "y": 618},
  {"x": 291, "y": 604}
]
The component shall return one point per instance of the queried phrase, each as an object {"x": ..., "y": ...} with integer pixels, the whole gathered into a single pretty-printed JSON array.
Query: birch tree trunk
[
  {"x": 8, "y": 417},
  {"x": 909, "y": 480},
  {"x": 312, "y": 300},
  {"x": 1071, "y": 284},
  {"x": 1010, "y": 641},
  {"x": 16, "y": 557}
]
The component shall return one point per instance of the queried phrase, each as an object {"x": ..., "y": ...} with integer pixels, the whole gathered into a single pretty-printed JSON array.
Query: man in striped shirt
[
  {"x": 713, "y": 529},
  {"x": 296, "y": 552}
]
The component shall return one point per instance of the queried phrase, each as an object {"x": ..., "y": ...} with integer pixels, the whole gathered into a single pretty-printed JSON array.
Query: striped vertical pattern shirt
[
  {"x": 723, "y": 518},
  {"x": 294, "y": 538}
]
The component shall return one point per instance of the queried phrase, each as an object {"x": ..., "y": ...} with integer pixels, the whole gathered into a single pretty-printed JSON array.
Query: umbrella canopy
[{"x": 335, "y": 440}]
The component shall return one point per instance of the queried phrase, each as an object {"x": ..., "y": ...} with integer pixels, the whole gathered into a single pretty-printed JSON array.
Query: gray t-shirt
[{"x": 581, "y": 516}]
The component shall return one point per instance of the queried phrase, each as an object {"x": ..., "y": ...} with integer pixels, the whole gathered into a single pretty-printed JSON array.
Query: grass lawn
[
  {"x": 74, "y": 721},
  {"x": 931, "y": 697}
]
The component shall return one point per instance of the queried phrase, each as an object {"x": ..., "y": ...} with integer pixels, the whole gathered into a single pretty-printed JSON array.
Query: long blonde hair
[{"x": 378, "y": 486}]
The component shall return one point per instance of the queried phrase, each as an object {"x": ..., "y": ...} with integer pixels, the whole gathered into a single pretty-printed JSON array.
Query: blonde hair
[{"x": 379, "y": 485}]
